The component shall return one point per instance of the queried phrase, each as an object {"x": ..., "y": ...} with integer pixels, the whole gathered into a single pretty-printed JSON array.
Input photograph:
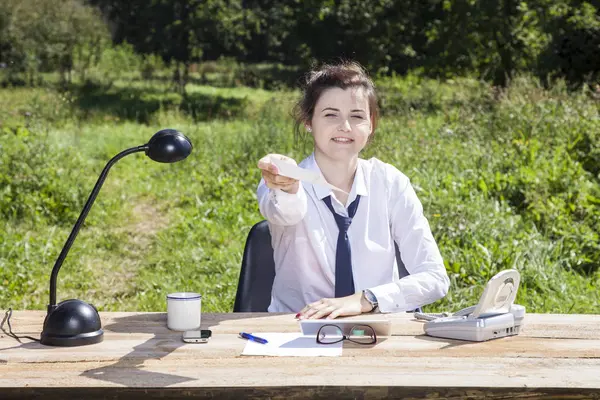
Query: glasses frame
[{"x": 344, "y": 337}]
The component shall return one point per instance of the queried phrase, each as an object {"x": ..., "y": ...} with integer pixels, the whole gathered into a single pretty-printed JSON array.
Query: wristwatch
[{"x": 370, "y": 297}]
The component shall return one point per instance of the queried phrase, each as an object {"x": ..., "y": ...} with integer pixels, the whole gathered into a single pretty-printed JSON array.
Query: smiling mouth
[{"x": 343, "y": 140}]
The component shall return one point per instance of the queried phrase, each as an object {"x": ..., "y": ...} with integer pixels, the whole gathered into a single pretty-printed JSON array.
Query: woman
[{"x": 334, "y": 252}]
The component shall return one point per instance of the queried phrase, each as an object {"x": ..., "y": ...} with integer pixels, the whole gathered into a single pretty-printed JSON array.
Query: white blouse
[{"x": 304, "y": 238}]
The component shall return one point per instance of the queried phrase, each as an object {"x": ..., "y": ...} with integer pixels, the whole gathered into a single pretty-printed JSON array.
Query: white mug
[{"x": 184, "y": 311}]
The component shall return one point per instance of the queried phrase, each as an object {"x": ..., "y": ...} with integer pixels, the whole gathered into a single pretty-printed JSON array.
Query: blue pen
[{"x": 253, "y": 338}]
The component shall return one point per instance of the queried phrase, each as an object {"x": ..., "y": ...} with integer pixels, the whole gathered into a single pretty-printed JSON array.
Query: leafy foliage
[
  {"x": 37, "y": 182},
  {"x": 42, "y": 35},
  {"x": 493, "y": 40}
]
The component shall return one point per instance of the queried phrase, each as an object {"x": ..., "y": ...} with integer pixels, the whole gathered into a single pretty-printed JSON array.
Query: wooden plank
[
  {"x": 144, "y": 346},
  {"x": 490, "y": 372},
  {"x": 575, "y": 326}
]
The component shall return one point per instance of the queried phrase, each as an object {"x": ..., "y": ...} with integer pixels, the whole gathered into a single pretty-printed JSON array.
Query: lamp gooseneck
[{"x": 82, "y": 216}]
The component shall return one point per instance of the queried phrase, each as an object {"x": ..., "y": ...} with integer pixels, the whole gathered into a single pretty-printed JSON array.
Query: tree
[
  {"x": 180, "y": 31},
  {"x": 44, "y": 35},
  {"x": 574, "y": 50},
  {"x": 494, "y": 38}
]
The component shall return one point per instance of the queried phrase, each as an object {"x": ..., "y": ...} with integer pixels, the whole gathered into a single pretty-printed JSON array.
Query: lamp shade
[{"x": 168, "y": 146}]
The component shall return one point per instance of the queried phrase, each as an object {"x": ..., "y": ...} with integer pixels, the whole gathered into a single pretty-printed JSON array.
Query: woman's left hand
[{"x": 332, "y": 308}]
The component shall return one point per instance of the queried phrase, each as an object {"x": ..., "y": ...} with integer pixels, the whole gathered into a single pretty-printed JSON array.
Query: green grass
[{"x": 507, "y": 179}]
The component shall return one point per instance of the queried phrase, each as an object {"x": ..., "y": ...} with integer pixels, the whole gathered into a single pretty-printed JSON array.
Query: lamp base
[
  {"x": 72, "y": 323},
  {"x": 77, "y": 340}
]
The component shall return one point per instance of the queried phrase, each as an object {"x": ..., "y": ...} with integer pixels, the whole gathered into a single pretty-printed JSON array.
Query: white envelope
[{"x": 305, "y": 175}]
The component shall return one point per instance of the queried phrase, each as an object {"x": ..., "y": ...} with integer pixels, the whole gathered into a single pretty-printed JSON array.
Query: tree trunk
[{"x": 505, "y": 46}]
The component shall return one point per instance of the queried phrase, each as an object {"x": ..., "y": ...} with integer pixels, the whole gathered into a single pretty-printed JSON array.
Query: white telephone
[{"x": 495, "y": 315}]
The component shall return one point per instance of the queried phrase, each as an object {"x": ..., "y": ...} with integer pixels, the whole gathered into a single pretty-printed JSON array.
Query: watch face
[{"x": 371, "y": 298}]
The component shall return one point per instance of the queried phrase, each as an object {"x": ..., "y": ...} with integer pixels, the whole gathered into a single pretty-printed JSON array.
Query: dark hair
[{"x": 347, "y": 74}]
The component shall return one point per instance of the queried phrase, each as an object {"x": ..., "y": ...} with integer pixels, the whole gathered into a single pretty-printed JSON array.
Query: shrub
[{"x": 37, "y": 181}]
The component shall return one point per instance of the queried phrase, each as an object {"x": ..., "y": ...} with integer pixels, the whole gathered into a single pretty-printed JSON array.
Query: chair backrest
[{"x": 258, "y": 271}]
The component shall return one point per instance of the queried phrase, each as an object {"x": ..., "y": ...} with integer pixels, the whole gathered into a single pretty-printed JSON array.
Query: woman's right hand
[{"x": 270, "y": 174}]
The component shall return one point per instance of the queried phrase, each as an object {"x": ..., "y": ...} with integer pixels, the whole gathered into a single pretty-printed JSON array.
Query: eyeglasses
[{"x": 361, "y": 334}]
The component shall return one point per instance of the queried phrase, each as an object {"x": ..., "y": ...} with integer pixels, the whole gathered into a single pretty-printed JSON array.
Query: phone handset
[{"x": 465, "y": 312}]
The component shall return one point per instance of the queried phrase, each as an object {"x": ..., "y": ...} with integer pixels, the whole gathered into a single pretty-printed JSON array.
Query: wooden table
[{"x": 555, "y": 355}]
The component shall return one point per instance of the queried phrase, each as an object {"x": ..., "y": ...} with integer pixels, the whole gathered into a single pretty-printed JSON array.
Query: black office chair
[{"x": 258, "y": 271}]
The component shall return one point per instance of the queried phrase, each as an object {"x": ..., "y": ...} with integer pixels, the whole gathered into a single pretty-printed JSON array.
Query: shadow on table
[
  {"x": 28, "y": 346},
  {"x": 450, "y": 342},
  {"x": 128, "y": 370},
  {"x": 9, "y": 333}
]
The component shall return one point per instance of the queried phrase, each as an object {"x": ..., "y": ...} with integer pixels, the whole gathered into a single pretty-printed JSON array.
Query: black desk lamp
[{"x": 77, "y": 323}]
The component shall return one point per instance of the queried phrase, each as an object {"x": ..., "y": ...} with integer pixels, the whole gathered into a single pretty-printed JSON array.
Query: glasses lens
[
  {"x": 362, "y": 334},
  {"x": 329, "y": 334}
]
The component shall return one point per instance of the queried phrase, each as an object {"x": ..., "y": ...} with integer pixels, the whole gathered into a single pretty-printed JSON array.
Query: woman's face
[{"x": 341, "y": 123}]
